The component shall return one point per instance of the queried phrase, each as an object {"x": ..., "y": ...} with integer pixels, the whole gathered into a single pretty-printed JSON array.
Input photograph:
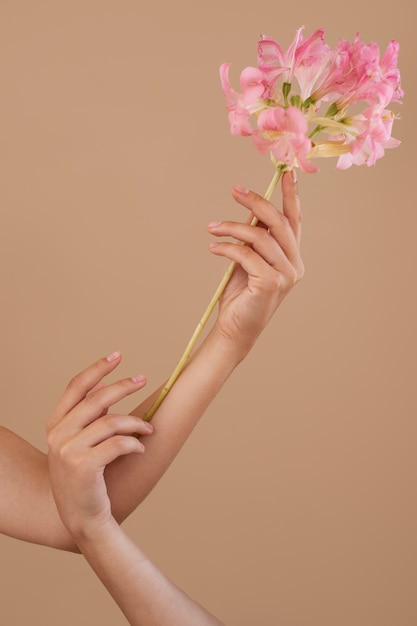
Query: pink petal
[
  {"x": 261, "y": 144},
  {"x": 390, "y": 58},
  {"x": 307, "y": 165},
  {"x": 252, "y": 83},
  {"x": 239, "y": 122},
  {"x": 392, "y": 143},
  {"x": 311, "y": 49},
  {"x": 290, "y": 55},
  {"x": 295, "y": 121},
  {"x": 269, "y": 52},
  {"x": 344, "y": 162},
  {"x": 229, "y": 93}
]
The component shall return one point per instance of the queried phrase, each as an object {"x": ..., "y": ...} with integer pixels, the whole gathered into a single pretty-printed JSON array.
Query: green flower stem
[
  {"x": 206, "y": 315},
  {"x": 286, "y": 89},
  {"x": 316, "y": 131}
]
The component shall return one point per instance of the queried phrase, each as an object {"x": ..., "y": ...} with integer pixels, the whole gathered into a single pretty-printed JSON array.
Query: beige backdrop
[{"x": 294, "y": 502}]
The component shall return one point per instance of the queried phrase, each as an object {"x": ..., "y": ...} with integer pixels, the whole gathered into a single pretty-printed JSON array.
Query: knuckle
[
  {"x": 52, "y": 440},
  {"x": 277, "y": 282},
  {"x": 124, "y": 387},
  {"x": 113, "y": 422},
  {"x": 264, "y": 235},
  {"x": 95, "y": 404},
  {"x": 273, "y": 282},
  {"x": 66, "y": 455},
  {"x": 262, "y": 204},
  {"x": 293, "y": 276},
  {"x": 76, "y": 464},
  {"x": 61, "y": 453},
  {"x": 106, "y": 421},
  {"x": 126, "y": 383},
  {"x": 126, "y": 443},
  {"x": 256, "y": 200},
  {"x": 93, "y": 398},
  {"x": 284, "y": 221},
  {"x": 225, "y": 225},
  {"x": 81, "y": 379},
  {"x": 245, "y": 251},
  {"x": 74, "y": 383}
]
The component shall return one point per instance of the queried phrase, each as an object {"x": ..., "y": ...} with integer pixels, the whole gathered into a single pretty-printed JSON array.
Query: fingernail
[
  {"x": 113, "y": 356},
  {"x": 149, "y": 426},
  {"x": 294, "y": 175},
  {"x": 240, "y": 189},
  {"x": 214, "y": 224},
  {"x": 213, "y": 245},
  {"x": 138, "y": 379}
]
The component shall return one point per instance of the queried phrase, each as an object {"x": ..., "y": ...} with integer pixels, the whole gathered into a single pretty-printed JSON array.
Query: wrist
[
  {"x": 228, "y": 350},
  {"x": 91, "y": 533},
  {"x": 235, "y": 349}
]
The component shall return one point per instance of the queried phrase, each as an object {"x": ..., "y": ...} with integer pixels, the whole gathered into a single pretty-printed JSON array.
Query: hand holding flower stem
[{"x": 280, "y": 168}]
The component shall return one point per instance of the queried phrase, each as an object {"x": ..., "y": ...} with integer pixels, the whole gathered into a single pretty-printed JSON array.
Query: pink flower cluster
[{"x": 281, "y": 99}]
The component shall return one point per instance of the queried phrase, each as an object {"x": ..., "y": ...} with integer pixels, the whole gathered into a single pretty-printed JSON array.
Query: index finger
[{"x": 81, "y": 384}]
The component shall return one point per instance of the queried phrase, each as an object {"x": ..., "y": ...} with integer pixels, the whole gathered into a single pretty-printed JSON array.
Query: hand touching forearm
[
  {"x": 80, "y": 449},
  {"x": 27, "y": 507}
]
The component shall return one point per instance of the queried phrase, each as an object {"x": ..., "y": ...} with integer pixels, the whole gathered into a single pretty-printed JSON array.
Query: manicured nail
[
  {"x": 294, "y": 175},
  {"x": 113, "y": 356},
  {"x": 213, "y": 244},
  {"x": 240, "y": 189},
  {"x": 138, "y": 379},
  {"x": 149, "y": 426},
  {"x": 214, "y": 224}
]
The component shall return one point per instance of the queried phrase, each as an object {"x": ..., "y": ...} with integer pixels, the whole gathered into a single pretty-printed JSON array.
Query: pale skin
[
  {"x": 84, "y": 440},
  {"x": 268, "y": 268}
]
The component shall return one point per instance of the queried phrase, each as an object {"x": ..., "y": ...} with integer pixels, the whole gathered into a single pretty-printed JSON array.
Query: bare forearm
[
  {"x": 27, "y": 507},
  {"x": 129, "y": 479},
  {"x": 143, "y": 593}
]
